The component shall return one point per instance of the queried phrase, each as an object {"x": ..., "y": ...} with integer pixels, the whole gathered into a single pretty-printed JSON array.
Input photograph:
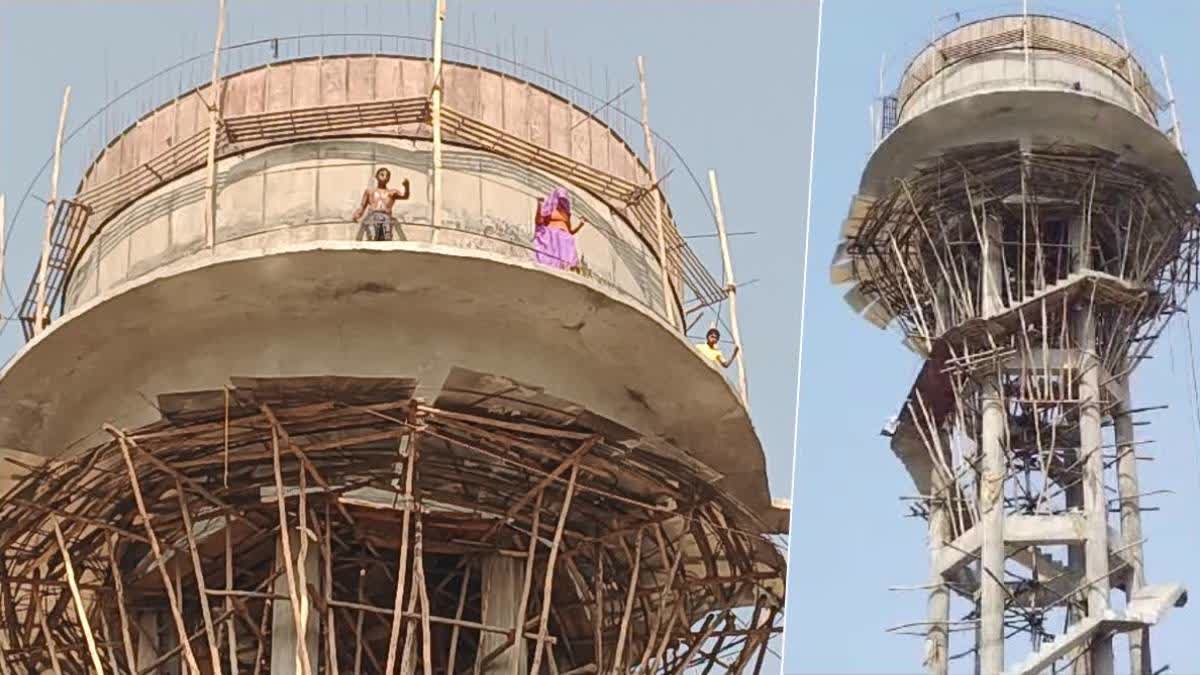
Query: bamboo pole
[
  {"x": 330, "y": 622},
  {"x": 302, "y": 569},
  {"x": 423, "y": 595},
  {"x": 172, "y": 599},
  {"x": 548, "y": 585},
  {"x": 1137, "y": 105},
  {"x": 198, "y": 569},
  {"x": 668, "y": 314},
  {"x": 1177, "y": 131},
  {"x": 410, "y": 447},
  {"x": 358, "y": 622},
  {"x": 408, "y": 661},
  {"x": 530, "y": 556},
  {"x": 119, "y": 585},
  {"x": 2, "y": 248},
  {"x": 286, "y": 547},
  {"x": 458, "y": 612},
  {"x": 106, "y": 635},
  {"x": 730, "y": 287},
  {"x": 262, "y": 627},
  {"x": 623, "y": 633},
  {"x": 549, "y": 478},
  {"x": 435, "y": 114},
  {"x": 40, "y": 611},
  {"x": 42, "y": 313},
  {"x": 1025, "y": 39},
  {"x": 231, "y": 627},
  {"x": 214, "y": 120},
  {"x": 80, "y": 609},
  {"x": 598, "y": 620}
]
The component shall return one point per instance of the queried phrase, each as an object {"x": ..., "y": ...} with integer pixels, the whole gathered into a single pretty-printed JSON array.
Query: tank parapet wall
[{"x": 991, "y": 54}]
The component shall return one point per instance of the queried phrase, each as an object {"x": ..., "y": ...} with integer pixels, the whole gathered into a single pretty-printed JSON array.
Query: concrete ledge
[
  {"x": 375, "y": 309},
  {"x": 1009, "y": 115}
]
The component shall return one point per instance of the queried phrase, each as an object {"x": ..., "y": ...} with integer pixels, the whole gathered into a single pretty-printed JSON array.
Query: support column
[
  {"x": 991, "y": 494},
  {"x": 1095, "y": 502},
  {"x": 502, "y": 579},
  {"x": 147, "y": 648},
  {"x": 1131, "y": 522},
  {"x": 937, "y": 642},
  {"x": 284, "y": 635}
]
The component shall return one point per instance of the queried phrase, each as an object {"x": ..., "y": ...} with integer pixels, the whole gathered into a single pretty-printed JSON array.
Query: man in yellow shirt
[{"x": 710, "y": 351}]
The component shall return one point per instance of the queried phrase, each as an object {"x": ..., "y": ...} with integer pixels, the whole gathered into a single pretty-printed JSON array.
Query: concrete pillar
[
  {"x": 285, "y": 659},
  {"x": 994, "y": 465},
  {"x": 502, "y": 579},
  {"x": 1131, "y": 522},
  {"x": 1095, "y": 502},
  {"x": 146, "y": 646},
  {"x": 937, "y": 642}
]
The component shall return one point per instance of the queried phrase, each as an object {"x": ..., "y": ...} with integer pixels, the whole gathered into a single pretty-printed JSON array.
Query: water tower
[
  {"x": 1029, "y": 228},
  {"x": 274, "y": 445}
]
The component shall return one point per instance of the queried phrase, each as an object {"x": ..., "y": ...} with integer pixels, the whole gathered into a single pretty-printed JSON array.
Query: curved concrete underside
[
  {"x": 1044, "y": 117},
  {"x": 403, "y": 309}
]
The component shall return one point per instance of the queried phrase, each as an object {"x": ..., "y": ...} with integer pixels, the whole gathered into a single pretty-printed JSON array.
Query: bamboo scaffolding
[
  {"x": 1032, "y": 279},
  {"x": 197, "y": 495}
]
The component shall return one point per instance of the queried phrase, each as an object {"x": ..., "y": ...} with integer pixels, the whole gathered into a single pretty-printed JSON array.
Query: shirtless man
[{"x": 377, "y": 204}]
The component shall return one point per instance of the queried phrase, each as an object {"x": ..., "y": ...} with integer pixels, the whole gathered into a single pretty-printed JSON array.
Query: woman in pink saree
[{"x": 553, "y": 233}]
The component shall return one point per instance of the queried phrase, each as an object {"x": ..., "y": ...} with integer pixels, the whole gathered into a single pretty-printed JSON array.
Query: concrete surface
[
  {"x": 373, "y": 309},
  {"x": 307, "y": 191}
]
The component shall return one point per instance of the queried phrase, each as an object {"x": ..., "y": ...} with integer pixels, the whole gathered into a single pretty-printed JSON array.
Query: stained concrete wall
[
  {"x": 506, "y": 103},
  {"x": 1006, "y": 70},
  {"x": 933, "y": 77},
  {"x": 308, "y": 191}
]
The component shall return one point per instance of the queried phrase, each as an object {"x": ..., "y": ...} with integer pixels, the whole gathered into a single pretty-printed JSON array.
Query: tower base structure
[{"x": 1033, "y": 279}]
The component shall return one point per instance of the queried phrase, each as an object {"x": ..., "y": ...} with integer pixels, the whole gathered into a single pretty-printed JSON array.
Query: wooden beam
[
  {"x": 80, "y": 609},
  {"x": 210, "y": 633},
  {"x": 286, "y": 548},
  {"x": 623, "y": 633},
  {"x": 730, "y": 286},
  {"x": 42, "y": 312},
  {"x": 548, "y": 585},
  {"x": 214, "y": 121},
  {"x": 159, "y": 562},
  {"x": 119, "y": 585},
  {"x": 458, "y": 612},
  {"x": 668, "y": 312},
  {"x": 435, "y": 113},
  {"x": 408, "y": 447}
]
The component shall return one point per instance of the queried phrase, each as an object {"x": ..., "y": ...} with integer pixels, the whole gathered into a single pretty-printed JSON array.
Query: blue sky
[
  {"x": 731, "y": 87},
  {"x": 851, "y": 539}
]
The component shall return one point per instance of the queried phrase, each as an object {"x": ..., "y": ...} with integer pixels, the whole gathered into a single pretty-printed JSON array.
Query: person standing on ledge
[
  {"x": 553, "y": 233},
  {"x": 377, "y": 204},
  {"x": 710, "y": 351}
]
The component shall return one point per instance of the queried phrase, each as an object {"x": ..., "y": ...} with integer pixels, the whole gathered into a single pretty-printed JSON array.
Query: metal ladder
[{"x": 65, "y": 234}]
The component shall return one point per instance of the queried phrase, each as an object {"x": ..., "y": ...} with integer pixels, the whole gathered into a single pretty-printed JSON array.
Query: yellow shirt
[{"x": 711, "y": 353}]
